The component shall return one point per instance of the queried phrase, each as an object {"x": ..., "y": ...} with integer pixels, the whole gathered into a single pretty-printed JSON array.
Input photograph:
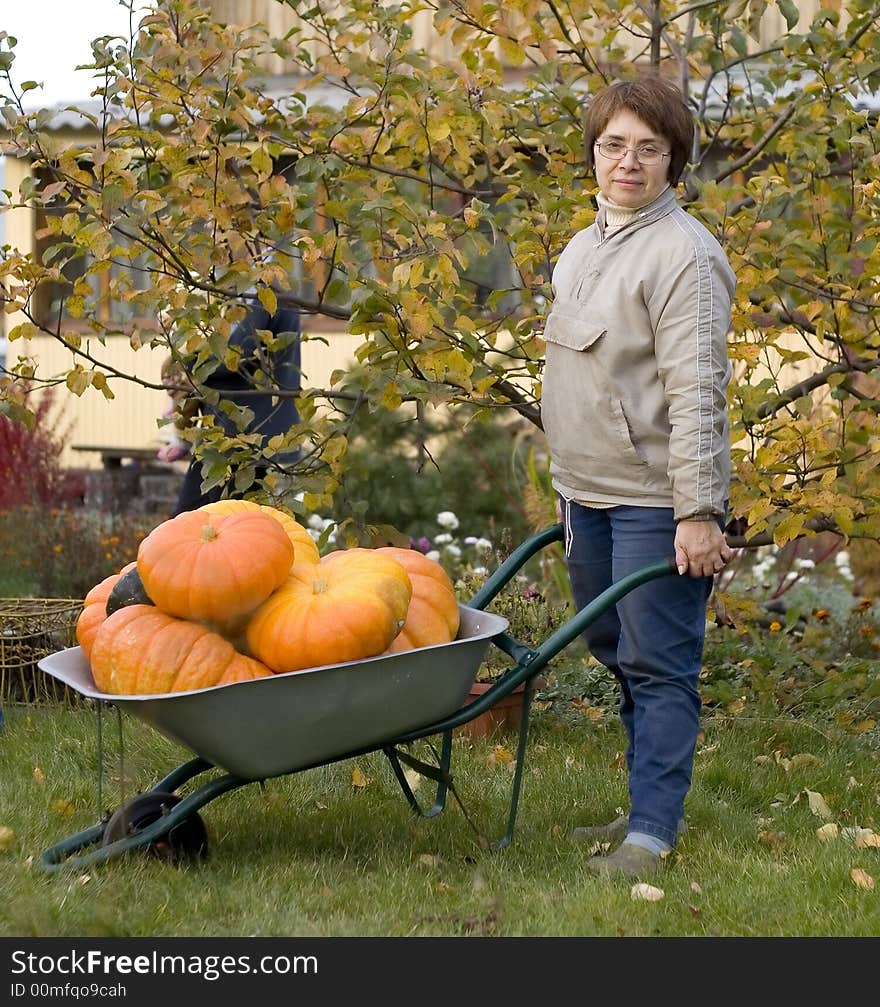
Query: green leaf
[{"x": 789, "y": 11}]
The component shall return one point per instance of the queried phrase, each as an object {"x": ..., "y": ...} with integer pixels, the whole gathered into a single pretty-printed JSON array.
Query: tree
[{"x": 390, "y": 180}]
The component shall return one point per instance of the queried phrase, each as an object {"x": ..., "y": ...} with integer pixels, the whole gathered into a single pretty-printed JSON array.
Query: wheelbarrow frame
[{"x": 528, "y": 662}]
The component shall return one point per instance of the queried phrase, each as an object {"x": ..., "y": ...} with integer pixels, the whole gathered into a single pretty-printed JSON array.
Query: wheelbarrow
[{"x": 269, "y": 727}]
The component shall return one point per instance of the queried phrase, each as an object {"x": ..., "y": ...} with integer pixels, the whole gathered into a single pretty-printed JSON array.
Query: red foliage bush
[{"x": 30, "y": 459}]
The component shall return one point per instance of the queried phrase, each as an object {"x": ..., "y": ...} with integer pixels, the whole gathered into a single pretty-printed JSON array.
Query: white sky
[{"x": 54, "y": 37}]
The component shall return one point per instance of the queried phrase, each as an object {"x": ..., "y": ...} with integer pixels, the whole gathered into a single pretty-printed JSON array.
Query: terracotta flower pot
[{"x": 504, "y": 716}]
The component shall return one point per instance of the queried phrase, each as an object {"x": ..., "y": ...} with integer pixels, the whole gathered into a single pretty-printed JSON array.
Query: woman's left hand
[{"x": 701, "y": 549}]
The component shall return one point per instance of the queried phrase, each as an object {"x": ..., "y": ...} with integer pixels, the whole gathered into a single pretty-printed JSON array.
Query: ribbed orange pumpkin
[
  {"x": 214, "y": 568},
  {"x": 432, "y": 616},
  {"x": 95, "y": 610},
  {"x": 141, "y": 651},
  {"x": 304, "y": 548},
  {"x": 349, "y": 606}
]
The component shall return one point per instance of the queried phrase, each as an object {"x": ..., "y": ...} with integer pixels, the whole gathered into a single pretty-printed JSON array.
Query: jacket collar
[{"x": 665, "y": 203}]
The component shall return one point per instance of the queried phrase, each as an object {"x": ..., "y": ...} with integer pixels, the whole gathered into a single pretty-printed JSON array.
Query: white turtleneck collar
[{"x": 617, "y": 216}]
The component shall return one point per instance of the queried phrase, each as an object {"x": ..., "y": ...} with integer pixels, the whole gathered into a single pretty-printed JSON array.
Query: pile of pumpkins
[{"x": 237, "y": 590}]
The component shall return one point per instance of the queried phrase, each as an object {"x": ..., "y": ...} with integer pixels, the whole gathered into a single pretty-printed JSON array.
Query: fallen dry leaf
[
  {"x": 866, "y": 839},
  {"x": 7, "y": 838},
  {"x": 39, "y": 775},
  {"x": 589, "y": 711},
  {"x": 413, "y": 778},
  {"x": 359, "y": 778},
  {"x": 62, "y": 807},
  {"x": 818, "y": 805},
  {"x": 861, "y": 879},
  {"x": 696, "y": 889},
  {"x": 801, "y": 760},
  {"x": 863, "y": 726},
  {"x": 646, "y": 892},
  {"x": 499, "y": 756},
  {"x": 771, "y": 839},
  {"x": 827, "y": 832},
  {"x": 430, "y": 860}
]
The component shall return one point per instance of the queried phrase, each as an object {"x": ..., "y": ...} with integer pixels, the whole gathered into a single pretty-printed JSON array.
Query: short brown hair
[{"x": 658, "y": 103}]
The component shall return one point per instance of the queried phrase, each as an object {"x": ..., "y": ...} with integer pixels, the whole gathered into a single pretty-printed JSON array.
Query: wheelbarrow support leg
[
  {"x": 521, "y": 747},
  {"x": 440, "y": 774}
]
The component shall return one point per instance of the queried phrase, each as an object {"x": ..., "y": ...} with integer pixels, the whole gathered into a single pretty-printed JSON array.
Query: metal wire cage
[{"x": 30, "y": 629}]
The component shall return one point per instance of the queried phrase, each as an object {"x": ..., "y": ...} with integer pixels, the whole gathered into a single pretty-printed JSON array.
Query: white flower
[
  {"x": 471, "y": 540},
  {"x": 434, "y": 555},
  {"x": 805, "y": 564},
  {"x": 841, "y": 559},
  {"x": 315, "y": 521},
  {"x": 443, "y": 538},
  {"x": 453, "y": 551},
  {"x": 480, "y": 571},
  {"x": 483, "y": 545},
  {"x": 446, "y": 519}
]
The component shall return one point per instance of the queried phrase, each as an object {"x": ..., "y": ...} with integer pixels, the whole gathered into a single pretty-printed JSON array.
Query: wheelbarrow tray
[{"x": 270, "y": 726}]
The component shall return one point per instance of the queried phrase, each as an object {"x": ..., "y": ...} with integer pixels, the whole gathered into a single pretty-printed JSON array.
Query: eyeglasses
[{"x": 647, "y": 153}]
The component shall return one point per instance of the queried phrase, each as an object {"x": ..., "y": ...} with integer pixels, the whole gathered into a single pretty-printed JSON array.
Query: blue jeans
[{"x": 652, "y": 641}]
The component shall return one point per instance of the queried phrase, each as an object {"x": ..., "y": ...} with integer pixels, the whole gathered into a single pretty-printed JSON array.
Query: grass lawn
[{"x": 313, "y": 854}]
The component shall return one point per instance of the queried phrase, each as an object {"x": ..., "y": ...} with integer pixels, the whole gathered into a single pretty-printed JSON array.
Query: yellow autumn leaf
[
  {"x": 645, "y": 892},
  {"x": 7, "y": 838},
  {"x": 268, "y": 299},
  {"x": 499, "y": 756},
  {"x": 861, "y": 879},
  {"x": 359, "y": 778},
  {"x": 62, "y": 807}
]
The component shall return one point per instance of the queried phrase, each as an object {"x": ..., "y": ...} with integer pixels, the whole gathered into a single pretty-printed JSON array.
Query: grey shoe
[
  {"x": 611, "y": 832},
  {"x": 627, "y": 861}
]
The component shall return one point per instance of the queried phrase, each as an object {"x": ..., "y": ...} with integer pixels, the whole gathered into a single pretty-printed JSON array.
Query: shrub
[
  {"x": 402, "y": 470},
  {"x": 62, "y": 552},
  {"x": 30, "y": 465}
]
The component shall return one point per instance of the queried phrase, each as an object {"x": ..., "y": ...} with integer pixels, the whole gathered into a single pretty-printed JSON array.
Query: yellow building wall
[{"x": 129, "y": 420}]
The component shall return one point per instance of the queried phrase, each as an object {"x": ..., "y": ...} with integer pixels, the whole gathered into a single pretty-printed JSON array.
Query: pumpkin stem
[{"x": 209, "y": 533}]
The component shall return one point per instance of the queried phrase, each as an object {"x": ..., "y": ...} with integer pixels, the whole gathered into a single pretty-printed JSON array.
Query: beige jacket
[{"x": 634, "y": 389}]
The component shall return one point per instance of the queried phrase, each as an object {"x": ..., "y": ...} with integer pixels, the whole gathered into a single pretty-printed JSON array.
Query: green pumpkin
[{"x": 128, "y": 590}]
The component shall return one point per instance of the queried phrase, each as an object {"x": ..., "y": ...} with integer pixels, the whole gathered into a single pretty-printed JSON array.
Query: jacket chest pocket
[{"x": 573, "y": 333}]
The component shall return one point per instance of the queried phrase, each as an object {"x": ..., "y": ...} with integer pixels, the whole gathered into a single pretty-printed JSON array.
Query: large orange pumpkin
[
  {"x": 140, "y": 650},
  {"x": 349, "y": 606},
  {"x": 432, "y": 616},
  {"x": 95, "y": 609},
  {"x": 304, "y": 548},
  {"x": 214, "y": 568}
]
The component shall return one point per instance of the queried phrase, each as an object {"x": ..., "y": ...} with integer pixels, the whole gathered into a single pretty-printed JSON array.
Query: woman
[{"x": 634, "y": 408}]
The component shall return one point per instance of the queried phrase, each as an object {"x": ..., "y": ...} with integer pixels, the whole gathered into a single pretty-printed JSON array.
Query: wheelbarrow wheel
[{"x": 188, "y": 840}]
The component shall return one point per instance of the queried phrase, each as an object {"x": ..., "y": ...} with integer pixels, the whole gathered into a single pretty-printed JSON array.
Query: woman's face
[{"x": 626, "y": 182}]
